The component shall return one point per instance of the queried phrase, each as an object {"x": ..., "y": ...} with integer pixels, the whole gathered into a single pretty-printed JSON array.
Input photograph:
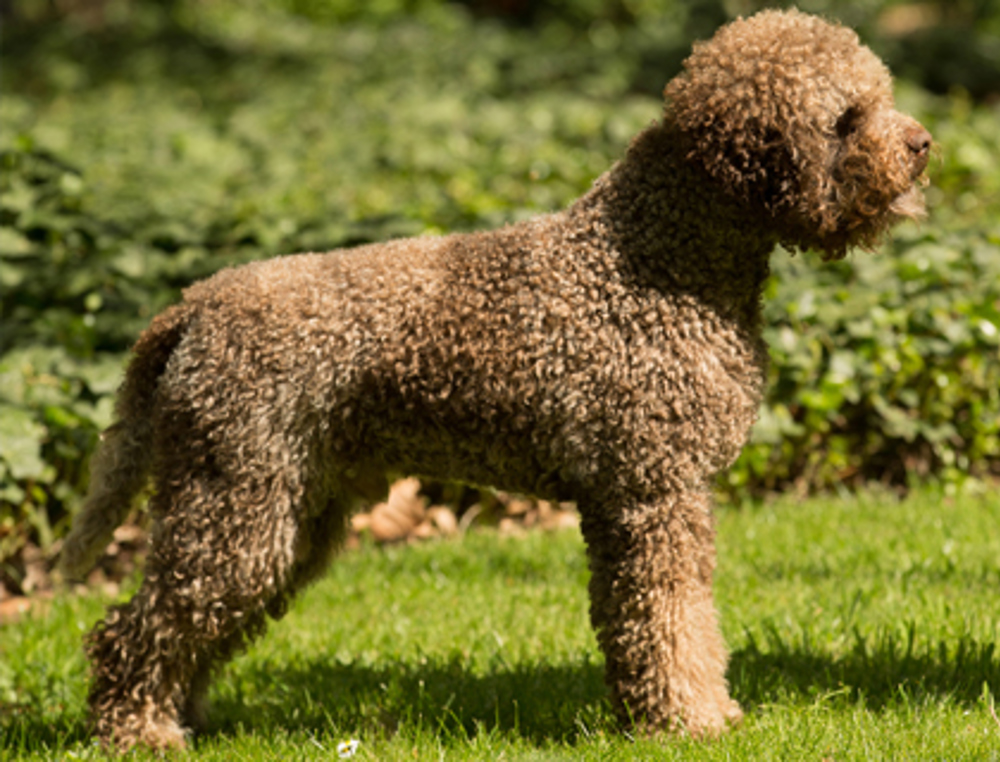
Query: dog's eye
[{"x": 848, "y": 122}]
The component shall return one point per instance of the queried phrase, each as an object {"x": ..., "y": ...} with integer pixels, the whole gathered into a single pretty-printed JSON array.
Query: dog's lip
[{"x": 920, "y": 163}]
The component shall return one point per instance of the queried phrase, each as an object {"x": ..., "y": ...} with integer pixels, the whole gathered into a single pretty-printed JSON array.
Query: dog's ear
[
  {"x": 749, "y": 104},
  {"x": 748, "y": 155}
]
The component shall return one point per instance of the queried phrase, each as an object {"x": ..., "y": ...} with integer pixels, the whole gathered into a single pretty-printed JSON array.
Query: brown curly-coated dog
[{"x": 609, "y": 354}]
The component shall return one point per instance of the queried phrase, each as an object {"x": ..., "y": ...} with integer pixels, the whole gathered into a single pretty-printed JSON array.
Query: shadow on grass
[
  {"x": 544, "y": 703},
  {"x": 879, "y": 671},
  {"x": 538, "y": 702}
]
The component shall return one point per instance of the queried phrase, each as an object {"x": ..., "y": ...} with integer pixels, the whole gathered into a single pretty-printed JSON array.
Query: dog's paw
[{"x": 713, "y": 717}]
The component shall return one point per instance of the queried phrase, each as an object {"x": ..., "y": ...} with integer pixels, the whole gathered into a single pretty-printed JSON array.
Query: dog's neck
[{"x": 674, "y": 232}]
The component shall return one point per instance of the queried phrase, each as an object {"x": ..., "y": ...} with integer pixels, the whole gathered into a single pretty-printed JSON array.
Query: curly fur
[{"x": 609, "y": 354}]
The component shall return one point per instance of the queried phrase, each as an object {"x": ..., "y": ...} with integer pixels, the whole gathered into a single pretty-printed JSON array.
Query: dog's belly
[
  {"x": 456, "y": 436},
  {"x": 565, "y": 437}
]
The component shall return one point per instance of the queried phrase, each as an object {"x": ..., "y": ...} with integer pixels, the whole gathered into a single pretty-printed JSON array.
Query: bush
[{"x": 884, "y": 367}]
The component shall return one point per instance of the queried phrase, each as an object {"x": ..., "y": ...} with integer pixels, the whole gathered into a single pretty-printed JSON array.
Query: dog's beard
[
  {"x": 866, "y": 232},
  {"x": 909, "y": 205}
]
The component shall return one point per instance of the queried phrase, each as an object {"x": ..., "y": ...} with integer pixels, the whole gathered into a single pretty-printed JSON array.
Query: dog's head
[{"x": 793, "y": 116}]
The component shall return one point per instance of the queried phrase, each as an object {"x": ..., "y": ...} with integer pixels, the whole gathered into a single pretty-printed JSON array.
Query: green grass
[{"x": 860, "y": 628}]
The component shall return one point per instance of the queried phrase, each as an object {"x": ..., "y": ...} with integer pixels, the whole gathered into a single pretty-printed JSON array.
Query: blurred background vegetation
[{"x": 147, "y": 143}]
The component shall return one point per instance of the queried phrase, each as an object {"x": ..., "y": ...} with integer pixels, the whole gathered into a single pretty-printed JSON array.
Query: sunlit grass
[{"x": 860, "y": 628}]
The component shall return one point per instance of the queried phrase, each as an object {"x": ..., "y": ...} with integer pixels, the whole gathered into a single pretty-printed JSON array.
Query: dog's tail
[{"x": 118, "y": 469}]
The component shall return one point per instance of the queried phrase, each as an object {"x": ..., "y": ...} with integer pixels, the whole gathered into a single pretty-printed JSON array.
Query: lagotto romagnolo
[{"x": 609, "y": 354}]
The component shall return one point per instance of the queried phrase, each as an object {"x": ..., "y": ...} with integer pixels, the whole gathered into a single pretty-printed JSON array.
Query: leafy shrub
[
  {"x": 54, "y": 380},
  {"x": 884, "y": 367}
]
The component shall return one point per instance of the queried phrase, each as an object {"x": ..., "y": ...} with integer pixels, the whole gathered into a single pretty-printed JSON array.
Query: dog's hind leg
[
  {"x": 317, "y": 538},
  {"x": 224, "y": 554},
  {"x": 651, "y": 605}
]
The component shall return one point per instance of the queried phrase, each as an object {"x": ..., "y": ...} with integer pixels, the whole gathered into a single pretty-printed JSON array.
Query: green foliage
[
  {"x": 154, "y": 143},
  {"x": 861, "y": 628},
  {"x": 884, "y": 367},
  {"x": 54, "y": 383}
]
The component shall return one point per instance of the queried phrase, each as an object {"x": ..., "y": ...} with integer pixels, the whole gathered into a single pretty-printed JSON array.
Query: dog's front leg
[{"x": 651, "y": 605}]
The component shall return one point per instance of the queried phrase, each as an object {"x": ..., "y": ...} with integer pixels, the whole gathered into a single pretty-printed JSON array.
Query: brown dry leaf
[
  {"x": 361, "y": 522},
  {"x": 423, "y": 531},
  {"x": 405, "y": 509},
  {"x": 516, "y": 506},
  {"x": 12, "y": 609},
  {"x": 509, "y": 526},
  {"x": 405, "y": 515},
  {"x": 561, "y": 519},
  {"x": 443, "y": 519},
  {"x": 35, "y": 576},
  {"x": 130, "y": 534}
]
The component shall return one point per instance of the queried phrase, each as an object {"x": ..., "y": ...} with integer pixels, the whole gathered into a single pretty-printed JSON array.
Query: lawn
[{"x": 860, "y": 628}]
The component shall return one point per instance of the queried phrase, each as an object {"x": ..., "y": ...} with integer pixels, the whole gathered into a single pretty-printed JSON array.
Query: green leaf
[
  {"x": 21, "y": 439},
  {"x": 13, "y": 243}
]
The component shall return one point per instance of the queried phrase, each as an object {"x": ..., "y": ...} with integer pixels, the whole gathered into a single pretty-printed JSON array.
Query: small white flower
[{"x": 347, "y": 749}]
